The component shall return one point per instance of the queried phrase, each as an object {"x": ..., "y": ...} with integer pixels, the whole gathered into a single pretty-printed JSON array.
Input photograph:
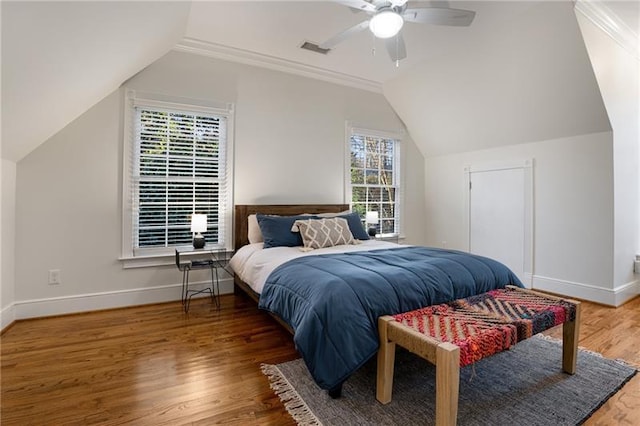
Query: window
[
  {"x": 178, "y": 166},
  {"x": 374, "y": 171}
]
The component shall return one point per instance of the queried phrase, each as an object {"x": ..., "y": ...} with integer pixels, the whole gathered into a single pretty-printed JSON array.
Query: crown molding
[
  {"x": 609, "y": 22},
  {"x": 218, "y": 51}
]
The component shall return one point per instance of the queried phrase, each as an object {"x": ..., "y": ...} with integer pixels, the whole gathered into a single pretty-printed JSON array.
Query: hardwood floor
[{"x": 154, "y": 365}]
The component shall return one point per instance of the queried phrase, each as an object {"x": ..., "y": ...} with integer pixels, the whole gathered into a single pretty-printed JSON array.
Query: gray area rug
[{"x": 524, "y": 385}]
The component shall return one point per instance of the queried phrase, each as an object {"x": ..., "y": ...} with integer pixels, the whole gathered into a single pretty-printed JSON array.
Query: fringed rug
[{"x": 524, "y": 385}]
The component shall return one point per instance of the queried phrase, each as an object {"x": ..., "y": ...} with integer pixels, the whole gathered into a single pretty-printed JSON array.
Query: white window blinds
[
  {"x": 374, "y": 171},
  {"x": 179, "y": 168}
]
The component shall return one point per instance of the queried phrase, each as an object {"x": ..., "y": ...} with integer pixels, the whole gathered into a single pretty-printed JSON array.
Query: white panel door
[{"x": 497, "y": 217}]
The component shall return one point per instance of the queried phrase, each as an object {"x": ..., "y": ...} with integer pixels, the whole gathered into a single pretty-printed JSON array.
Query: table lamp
[
  {"x": 371, "y": 218},
  {"x": 198, "y": 225}
]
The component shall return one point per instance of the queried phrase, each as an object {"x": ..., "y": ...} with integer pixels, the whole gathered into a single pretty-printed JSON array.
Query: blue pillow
[
  {"x": 355, "y": 225},
  {"x": 276, "y": 230}
]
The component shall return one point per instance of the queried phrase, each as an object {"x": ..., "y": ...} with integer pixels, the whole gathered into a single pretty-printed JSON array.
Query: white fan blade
[
  {"x": 358, "y": 4},
  {"x": 437, "y": 16},
  {"x": 396, "y": 48},
  {"x": 338, "y": 38}
]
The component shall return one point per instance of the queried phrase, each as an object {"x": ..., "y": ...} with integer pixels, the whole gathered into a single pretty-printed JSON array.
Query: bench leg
[
  {"x": 386, "y": 361},
  {"x": 447, "y": 384},
  {"x": 570, "y": 337}
]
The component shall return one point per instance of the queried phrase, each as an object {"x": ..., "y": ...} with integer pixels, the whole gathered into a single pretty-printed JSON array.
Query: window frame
[
  {"x": 154, "y": 256},
  {"x": 398, "y": 171}
]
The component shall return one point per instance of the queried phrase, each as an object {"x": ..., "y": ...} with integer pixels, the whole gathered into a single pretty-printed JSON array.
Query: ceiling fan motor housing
[{"x": 386, "y": 23}]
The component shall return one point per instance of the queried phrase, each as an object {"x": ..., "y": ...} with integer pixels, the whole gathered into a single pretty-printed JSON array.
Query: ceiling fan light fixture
[{"x": 385, "y": 24}]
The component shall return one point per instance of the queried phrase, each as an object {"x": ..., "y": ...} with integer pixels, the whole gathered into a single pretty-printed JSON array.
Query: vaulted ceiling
[
  {"x": 276, "y": 29},
  {"x": 60, "y": 58}
]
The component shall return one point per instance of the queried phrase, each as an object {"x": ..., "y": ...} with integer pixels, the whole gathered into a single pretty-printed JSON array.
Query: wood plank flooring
[{"x": 154, "y": 365}]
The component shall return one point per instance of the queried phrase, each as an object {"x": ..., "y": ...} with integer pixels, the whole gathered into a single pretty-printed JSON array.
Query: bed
[{"x": 330, "y": 298}]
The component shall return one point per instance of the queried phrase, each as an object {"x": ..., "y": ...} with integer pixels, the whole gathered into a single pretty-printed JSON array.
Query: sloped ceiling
[
  {"x": 518, "y": 73},
  {"x": 528, "y": 80},
  {"x": 628, "y": 11},
  {"x": 60, "y": 58}
]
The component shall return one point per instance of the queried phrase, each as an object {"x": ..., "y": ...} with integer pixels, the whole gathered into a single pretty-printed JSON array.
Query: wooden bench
[{"x": 459, "y": 333}]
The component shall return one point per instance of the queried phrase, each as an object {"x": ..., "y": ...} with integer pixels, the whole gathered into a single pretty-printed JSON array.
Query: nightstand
[{"x": 188, "y": 259}]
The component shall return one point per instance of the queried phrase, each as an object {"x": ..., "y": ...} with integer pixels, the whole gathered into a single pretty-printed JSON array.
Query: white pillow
[
  {"x": 333, "y": 214},
  {"x": 253, "y": 233}
]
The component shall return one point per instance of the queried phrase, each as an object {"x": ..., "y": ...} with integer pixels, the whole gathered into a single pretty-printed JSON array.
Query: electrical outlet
[
  {"x": 444, "y": 244},
  {"x": 54, "y": 276}
]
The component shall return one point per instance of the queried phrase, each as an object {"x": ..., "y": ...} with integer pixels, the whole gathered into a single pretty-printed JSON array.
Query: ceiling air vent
[{"x": 314, "y": 48}]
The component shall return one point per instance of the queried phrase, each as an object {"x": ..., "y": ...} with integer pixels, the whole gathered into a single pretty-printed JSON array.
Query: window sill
[
  {"x": 385, "y": 237},
  {"x": 147, "y": 261},
  {"x": 165, "y": 258}
]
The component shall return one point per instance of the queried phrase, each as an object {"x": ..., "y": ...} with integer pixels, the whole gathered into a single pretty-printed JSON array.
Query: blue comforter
[{"x": 333, "y": 301}]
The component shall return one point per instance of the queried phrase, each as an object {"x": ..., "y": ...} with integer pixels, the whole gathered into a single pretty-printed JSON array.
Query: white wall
[
  {"x": 288, "y": 128},
  {"x": 618, "y": 74},
  {"x": 533, "y": 84},
  {"x": 7, "y": 228},
  {"x": 573, "y": 210},
  {"x": 289, "y": 143}
]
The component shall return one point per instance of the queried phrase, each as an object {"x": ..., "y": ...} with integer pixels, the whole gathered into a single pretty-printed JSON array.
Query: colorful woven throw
[{"x": 489, "y": 323}]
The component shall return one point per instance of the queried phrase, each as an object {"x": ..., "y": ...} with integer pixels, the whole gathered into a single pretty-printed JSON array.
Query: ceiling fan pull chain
[
  {"x": 373, "y": 45},
  {"x": 397, "y": 59}
]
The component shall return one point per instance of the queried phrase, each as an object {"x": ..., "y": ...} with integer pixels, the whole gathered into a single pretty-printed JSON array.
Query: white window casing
[
  {"x": 177, "y": 160},
  {"x": 373, "y": 159}
]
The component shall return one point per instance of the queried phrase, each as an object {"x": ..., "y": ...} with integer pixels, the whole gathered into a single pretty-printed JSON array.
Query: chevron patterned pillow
[{"x": 319, "y": 233}]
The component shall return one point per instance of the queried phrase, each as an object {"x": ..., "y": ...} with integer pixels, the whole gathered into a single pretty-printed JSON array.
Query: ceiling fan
[{"x": 388, "y": 17}]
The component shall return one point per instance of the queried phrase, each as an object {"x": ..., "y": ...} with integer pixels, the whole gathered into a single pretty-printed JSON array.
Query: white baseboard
[
  {"x": 7, "y": 316},
  {"x": 106, "y": 300},
  {"x": 606, "y": 296},
  {"x": 626, "y": 292},
  {"x": 141, "y": 296}
]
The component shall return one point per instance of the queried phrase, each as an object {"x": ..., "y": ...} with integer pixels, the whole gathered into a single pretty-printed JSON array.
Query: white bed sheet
[{"x": 253, "y": 264}]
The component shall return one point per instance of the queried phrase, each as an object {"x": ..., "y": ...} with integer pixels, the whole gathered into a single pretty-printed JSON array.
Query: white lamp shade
[
  {"x": 371, "y": 217},
  {"x": 386, "y": 24},
  {"x": 198, "y": 222}
]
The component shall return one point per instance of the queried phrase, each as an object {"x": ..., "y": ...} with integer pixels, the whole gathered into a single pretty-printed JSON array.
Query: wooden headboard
[{"x": 242, "y": 212}]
